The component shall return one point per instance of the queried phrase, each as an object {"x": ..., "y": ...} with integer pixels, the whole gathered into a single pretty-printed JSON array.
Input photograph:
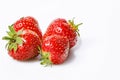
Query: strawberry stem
[{"x": 75, "y": 26}]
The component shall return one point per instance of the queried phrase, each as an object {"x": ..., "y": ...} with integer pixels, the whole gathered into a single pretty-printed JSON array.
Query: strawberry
[
  {"x": 22, "y": 44},
  {"x": 64, "y": 28},
  {"x": 55, "y": 49},
  {"x": 28, "y": 23}
]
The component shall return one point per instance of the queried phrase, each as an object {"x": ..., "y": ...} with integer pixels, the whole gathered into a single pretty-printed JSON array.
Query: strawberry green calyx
[
  {"x": 13, "y": 38},
  {"x": 45, "y": 59},
  {"x": 39, "y": 50},
  {"x": 75, "y": 26}
]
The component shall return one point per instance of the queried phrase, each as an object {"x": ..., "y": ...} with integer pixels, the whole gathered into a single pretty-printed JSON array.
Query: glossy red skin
[
  {"x": 58, "y": 48},
  {"x": 61, "y": 27},
  {"x": 29, "y": 48},
  {"x": 28, "y": 23}
]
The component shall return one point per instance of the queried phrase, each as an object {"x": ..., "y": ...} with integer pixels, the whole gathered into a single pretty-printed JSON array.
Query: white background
[{"x": 97, "y": 53}]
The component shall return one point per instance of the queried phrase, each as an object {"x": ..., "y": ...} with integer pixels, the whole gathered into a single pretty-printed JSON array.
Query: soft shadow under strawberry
[{"x": 71, "y": 56}]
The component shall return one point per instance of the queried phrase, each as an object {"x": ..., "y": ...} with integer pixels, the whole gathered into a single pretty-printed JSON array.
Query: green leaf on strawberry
[
  {"x": 75, "y": 26},
  {"x": 45, "y": 59},
  {"x": 13, "y": 38}
]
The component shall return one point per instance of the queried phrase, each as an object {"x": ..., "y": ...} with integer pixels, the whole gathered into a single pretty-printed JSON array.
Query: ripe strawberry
[
  {"x": 28, "y": 23},
  {"x": 64, "y": 28},
  {"x": 55, "y": 50},
  {"x": 22, "y": 44}
]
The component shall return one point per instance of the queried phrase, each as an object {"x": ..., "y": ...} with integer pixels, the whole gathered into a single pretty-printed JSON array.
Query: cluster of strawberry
[{"x": 25, "y": 40}]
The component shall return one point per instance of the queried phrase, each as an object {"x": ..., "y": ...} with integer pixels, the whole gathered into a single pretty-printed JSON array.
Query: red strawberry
[
  {"x": 22, "y": 44},
  {"x": 62, "y": 27},
  {"x": 28, "y": 23},
  {"x": 55, "y": 50}
]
